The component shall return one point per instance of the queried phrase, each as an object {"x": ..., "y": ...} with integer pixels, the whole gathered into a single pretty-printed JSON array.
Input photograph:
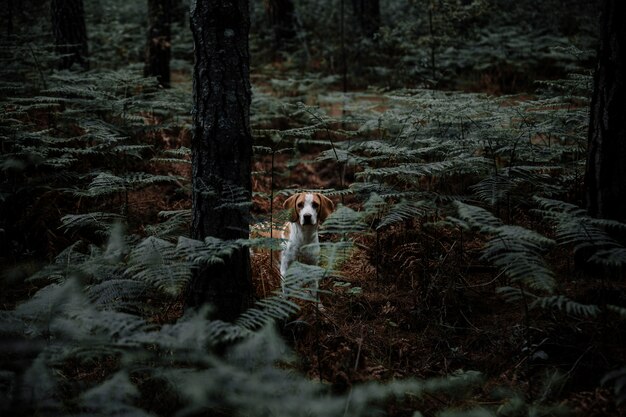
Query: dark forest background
[{"x": 475, "y": 151}]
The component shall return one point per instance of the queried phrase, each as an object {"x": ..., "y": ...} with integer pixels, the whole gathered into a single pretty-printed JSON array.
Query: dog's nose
[{"x": 306, "y": 218}]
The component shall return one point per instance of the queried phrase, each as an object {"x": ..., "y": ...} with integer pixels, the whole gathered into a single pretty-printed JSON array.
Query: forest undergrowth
[
  {"x": 414, "y": 294},
  {"x": 450, "y": 260},
  {"x": 460, "y": 274},
  {"x": 419, "y": 296}
]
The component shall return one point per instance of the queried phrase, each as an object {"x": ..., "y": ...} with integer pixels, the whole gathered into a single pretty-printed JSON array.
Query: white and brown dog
[{"x": 300, "y": 234}]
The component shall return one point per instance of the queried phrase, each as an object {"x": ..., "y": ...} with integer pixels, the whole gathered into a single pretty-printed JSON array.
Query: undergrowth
[{"x": 459, "y": 274}]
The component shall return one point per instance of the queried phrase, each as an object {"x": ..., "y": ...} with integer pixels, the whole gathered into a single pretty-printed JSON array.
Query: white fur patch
[{"x": 308, "y": 210}]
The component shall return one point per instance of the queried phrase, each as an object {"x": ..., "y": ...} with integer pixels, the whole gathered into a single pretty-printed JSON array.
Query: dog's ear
[
  {"x": 326, "y": 207},
  {"x": 290, "y": 203}
]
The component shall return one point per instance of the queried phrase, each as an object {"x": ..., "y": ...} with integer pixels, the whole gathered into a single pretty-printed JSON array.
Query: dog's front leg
[
  {"x": 286, "y": 258},
  {"x": 310, "y": 254}
]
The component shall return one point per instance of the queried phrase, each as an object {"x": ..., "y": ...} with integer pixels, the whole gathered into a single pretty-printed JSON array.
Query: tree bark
[
  {"x": 221, "y": 149},
  {"x": 606, "y": 161},
  {"x": 179, "y": 10},
  {"x": 280, "y": 14},
  {"x": 159, "y": 46},
  {"x": 70, "y": 32},
  {"x": 367, "y": 13},
  {"x": 10, "y": 18}
]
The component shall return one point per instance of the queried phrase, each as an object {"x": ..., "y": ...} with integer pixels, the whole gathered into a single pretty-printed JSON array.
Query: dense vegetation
[{"x": 461, "y": 273}]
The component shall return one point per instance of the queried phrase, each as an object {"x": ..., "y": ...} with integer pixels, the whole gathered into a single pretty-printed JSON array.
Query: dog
[{"x": 300, "y": 234}]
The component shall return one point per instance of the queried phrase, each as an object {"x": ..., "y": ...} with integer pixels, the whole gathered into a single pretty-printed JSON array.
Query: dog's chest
[
  {"x": 303, "y": 245},
  {"x": 309, "y": 253}
]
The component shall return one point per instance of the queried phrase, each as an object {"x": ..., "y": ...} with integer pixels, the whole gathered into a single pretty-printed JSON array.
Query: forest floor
[
  {"x": 409, "y": 301},
  {"x": 415, "y": 301}
]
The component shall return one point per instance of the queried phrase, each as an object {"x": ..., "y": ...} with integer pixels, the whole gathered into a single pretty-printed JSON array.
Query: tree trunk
[
  {"x": 179, "y": 11},
  {"x": 221, "y": 149},
  {"x": 70, "y": 33},
  {"x": 158, "y": 48},
  {"x": 367, "y": 13},
  {"x": 10, "y": 18},
  {"x": 606, "y": 160},
  {"x": 280, "y": 14}
]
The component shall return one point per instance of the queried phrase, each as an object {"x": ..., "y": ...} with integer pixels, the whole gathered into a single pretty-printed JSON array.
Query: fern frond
[
  {"x": 612, "y": 257},
  {"x": 131, "y": 150},
  {"x": 211, "y": 250},
  {"x": 621, "y": 311},
  {"x": 272, "y": 309},
  {"x": 302, "y": 281},
  {"x": 103, "y": 184},
  {"x": 617, "y": 378},
  {"x": 405, "y": 210},
  {"x": 113, "y": 397},
  {"x": 571, "y": 307},
  {"x": 465, "y": 164},
  {"x": 574, "y": 227},
  {"x": 97, "y": 221},
  {"x": 513, "y": 295},
  {"x": 494, "y": 188},
  {"x": 333, "y": 254},
  {"x": 478, "y": 217},
  {"x": 559, "y": 302},
  {"x": 155, "y": 262},
  {"x": 374, "y": 206},
  {"x": 120, "y": 294},
  {"x": 142, "y": 179},
  {"x": 176, "y": 224},
  {"x": 344, "y": 220},
  {"x": 514, "y": 250}
]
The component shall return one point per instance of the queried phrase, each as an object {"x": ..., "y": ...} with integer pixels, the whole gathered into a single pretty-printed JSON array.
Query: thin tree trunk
[
  {"x": 368, "y": 15},
  {"x": 70, "y": 32},
  {"x": 159, "y": 46},
  {"x": 221, "y": 149},
  {"x": 179, "y": 10},
  {"x": 10, "y": 18},
  {"x": 280, "y": 14},
  {"x": 606, "y": 162},
  {"x": 342, "y": 35}
]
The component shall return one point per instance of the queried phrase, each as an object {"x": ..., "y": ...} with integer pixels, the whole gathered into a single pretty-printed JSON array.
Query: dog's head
[{"x": 308, "y": 208}]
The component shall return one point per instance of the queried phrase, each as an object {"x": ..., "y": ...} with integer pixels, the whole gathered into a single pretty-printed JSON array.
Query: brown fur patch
[{"x": 324, "y": 206}]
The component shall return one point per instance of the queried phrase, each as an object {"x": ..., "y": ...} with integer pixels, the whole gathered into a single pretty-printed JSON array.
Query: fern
[
  {"x": 516, "y": 251},
  {"x": 559, "y": 302},
  {"x": 407, "y": 172},
  {"x": 405, "y": 210},
  {"x": 98, "y": 221},
  {"x": 569, "y": 306},
  {"x": 268, "y": 310},
  {"x": 344, "y": 220},
  {"x": 574, "y": 227},
  {"x": 92, "y": 332},
  {"x": 105, "y": 183},
  {"x": 153, "y": 261},
  {"x": 120, "y": 294},
  {"x": 617, "y": 378},
  {"x": 114, "y": 396},
  {"x": 176, "y": 223},
  {"x": 621, "y": 311}
]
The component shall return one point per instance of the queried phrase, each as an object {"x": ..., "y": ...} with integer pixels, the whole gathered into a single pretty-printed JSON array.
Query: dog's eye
[
  {"x": 315, "y": 205},
  {"x": 300, "y": 204}
]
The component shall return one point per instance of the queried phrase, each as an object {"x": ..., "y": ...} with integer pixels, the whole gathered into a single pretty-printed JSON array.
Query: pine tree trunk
[
  {"x": 179, "y": 10},
  {"x": 158, "y": 48},
  {"x": 70, "y": 33},
  {"x": 221, "y": 149},
  {"x": 368, "y": 15},
  {"x": 10, "y": 18},
  {"x": 606, "y": 161},
  {"x": 280, "y": 14}
]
